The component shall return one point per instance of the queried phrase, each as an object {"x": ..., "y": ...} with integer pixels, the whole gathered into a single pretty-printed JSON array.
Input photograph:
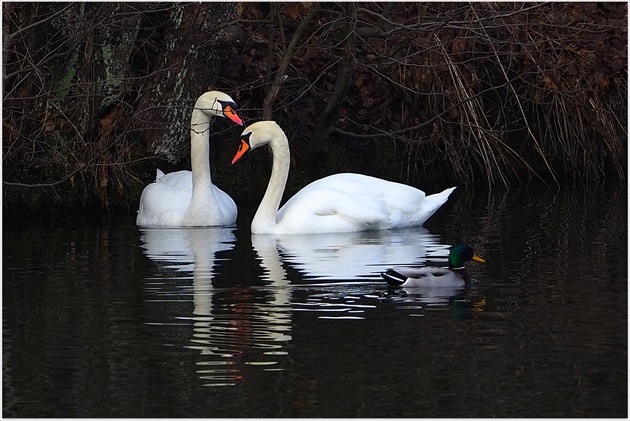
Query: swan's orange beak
[
  {"x": 478, "y": 259},
  {"x": 229, "y": 112},
  {"x": 241, "y": 150}
]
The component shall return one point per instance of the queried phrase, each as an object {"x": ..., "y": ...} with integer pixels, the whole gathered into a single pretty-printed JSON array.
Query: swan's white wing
[
  {"x": 336, "y": 197},
  {"x": 165, "y": 201},
  {"x": 226, "y": 205},
  {"x": 355, "y": 202},
  {"x": 180, "y": 181}
]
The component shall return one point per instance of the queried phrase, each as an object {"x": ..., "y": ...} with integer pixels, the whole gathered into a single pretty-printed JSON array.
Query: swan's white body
[
  {"x": 338, "y": 203},
  {"x": 188, "y": 198}
]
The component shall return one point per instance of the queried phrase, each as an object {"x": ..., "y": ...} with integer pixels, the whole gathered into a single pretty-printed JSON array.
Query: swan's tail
[
  {"x": 434, "y": 202},
  {"x": 393, "y": 278},
  {"x": 438, "y": 199}
]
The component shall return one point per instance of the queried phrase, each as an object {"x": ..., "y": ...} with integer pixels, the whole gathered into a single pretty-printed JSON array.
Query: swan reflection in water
[
  {"x": 240, "y": 327},
  {"x": 233, "y": 328},
  {"x": 353, "y": 255},
  {"x": 342, "y": 270}
]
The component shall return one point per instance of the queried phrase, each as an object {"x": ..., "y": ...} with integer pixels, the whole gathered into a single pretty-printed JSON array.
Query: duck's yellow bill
[{"x": 478, "y": 259}]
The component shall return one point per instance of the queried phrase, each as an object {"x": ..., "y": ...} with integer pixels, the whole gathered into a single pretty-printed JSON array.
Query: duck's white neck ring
[{"x": 458, "y": 268}]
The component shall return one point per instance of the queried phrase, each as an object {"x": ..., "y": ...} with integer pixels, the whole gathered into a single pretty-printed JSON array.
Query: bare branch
[{"x": 286, "y": 59}]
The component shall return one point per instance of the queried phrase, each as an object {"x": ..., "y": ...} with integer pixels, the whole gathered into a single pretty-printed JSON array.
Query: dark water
[{"x": 101, "y": 319}]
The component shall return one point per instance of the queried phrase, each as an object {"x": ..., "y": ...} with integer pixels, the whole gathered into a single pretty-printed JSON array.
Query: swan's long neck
[
  {"x": 202, "y": 194},
  {"x": 264, "y": 221}
]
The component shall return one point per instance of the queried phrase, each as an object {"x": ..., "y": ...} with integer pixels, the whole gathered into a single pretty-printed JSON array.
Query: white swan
[
  {"x": 185, "y": 198},
  {"x": 338, "y": 203}
]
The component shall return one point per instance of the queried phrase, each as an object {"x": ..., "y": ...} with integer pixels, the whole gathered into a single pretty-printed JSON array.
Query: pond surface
[{"x": 102, "y": 319}]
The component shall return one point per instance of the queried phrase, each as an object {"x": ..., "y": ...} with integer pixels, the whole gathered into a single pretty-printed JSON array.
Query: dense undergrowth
[{"x": 97, "y": 95}]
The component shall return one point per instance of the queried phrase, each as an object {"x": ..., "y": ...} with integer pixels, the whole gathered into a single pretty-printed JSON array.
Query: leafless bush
[
  {"x": 492, "y": 92},
  {"x": 473, "y": 92}
]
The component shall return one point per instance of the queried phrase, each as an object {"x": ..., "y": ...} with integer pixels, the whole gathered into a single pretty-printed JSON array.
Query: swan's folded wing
[
  {"x": 178, "y": 180},
  {"x": 164, "y": 202},
  {"x": 355, "y": 202},
  {"x": 401, "y": 204},
  {"x": 319, "y": 200}
]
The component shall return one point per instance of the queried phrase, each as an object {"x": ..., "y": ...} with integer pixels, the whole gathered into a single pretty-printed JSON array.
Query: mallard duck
[{"x": 455, "y": 275}]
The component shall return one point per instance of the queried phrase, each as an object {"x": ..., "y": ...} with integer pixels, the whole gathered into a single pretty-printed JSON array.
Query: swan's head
[
  {"x": 256, "y": 135},
  {"x": 219, "y": 104}
]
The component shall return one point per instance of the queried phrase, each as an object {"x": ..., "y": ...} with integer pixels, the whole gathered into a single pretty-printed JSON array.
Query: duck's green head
[{"x": 460, "y": 254}]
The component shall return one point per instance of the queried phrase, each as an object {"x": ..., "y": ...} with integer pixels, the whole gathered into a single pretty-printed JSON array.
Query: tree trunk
[
  {"x": 342, "y": 83},
  {"x": 189, "y": 57}
]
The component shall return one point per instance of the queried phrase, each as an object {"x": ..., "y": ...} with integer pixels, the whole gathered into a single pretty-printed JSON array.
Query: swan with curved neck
[
  {"x": 188, "y": 198},
  {"x": 343, "y": 202}
]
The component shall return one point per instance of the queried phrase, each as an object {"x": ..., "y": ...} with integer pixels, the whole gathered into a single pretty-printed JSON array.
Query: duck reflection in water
[{"x": 434, "y": 284}]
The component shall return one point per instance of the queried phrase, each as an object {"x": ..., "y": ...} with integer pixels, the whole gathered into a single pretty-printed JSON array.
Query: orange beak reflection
[{"x": 241, "y": 150}]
